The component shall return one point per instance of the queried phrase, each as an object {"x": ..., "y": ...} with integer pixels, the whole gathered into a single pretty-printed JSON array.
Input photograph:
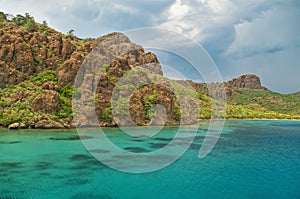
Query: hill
[{"x": 39, "y": 66}]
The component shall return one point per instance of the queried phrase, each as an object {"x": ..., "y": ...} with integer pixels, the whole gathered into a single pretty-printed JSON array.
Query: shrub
[{"x": 49, "y": 75}]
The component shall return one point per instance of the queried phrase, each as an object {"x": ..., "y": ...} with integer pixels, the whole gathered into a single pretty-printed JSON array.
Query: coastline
[{"x": 200, "y": 120}]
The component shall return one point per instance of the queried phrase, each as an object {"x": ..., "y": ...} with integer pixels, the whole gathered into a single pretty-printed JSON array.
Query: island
[{"x": 39, "y": 66}]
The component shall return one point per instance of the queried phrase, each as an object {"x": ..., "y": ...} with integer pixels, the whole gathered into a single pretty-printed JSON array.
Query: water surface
[{"x": 252, "y": 159}]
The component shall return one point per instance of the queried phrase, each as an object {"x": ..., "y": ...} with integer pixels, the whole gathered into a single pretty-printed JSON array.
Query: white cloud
[
  {"x": 275, "y": 30},
  {"x": 242, "y": 36},
  {"x": 245, "y": 36}
]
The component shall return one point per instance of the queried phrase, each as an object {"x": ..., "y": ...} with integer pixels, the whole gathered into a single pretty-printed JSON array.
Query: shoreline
[{"x": 200, "y": 120}]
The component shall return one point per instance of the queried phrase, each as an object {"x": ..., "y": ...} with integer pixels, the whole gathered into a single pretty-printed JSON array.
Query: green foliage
[
  {"x": 120, "y": 107},
  {"x": 49, "y": 75},
  {"x": 265, "y": 99},
  {"x": 106, "y": 67},
  {"x": 177, "y": 113},
  {"x": 66, "y": 109},
  {"x": 2, "y": 17},
  {"x": 27, "y": 21},
  {"x": 30, "y": 25},
  {"x": 71, "y": 32},
  {"x": 20, "y": 20},
  {"x": 66, "y": 91},
  {"x": 148, "y": 102},
  {"x": 106, "y": 113},
  {"x": 43, "y": 27},
  {"x": 36, "y": 61},
  {"x": 13, "y": 109}
]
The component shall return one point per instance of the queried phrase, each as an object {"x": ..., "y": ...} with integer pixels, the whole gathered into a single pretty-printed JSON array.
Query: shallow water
[{"x": 252, "y": 159}]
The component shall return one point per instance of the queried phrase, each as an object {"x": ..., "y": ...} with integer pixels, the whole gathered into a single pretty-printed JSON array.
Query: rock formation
[{"x": 110, "y": 79}]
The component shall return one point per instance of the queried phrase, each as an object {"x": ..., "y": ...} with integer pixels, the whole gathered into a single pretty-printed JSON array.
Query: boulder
[
  {"x": 14, "y": 126},
  {"x": 22, "y": 126},
  {"x": 249, "y": 81},
  {"x": 48, "y": 124},
  {"x": 47, "y": 102}
]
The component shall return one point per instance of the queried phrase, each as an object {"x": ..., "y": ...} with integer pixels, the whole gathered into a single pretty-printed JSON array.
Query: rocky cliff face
[
  {"x": 115, "y": 79},
  {"x": 23, "y": 54},
  {"x": 26, "y": 57},
  {"x": 249, "y": 81},
  {"x": 123, "y": 65},
  {"x": 217, "y": 90}
]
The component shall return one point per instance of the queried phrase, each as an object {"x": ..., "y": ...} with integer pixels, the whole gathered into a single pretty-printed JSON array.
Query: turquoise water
[{"x": 252, "y": 159}]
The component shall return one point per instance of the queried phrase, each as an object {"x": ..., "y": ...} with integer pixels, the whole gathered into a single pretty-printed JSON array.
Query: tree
[
  {"x": 45, "y": 23},
  {"x": 9, "y": 17},
  {"x": 44, "y": 26},
  {"x": 30, "y": 25},
  {"x": 71, "y": 32},
  {"x": 19, "y": 20},
  {"x": 2, "y": 17}
]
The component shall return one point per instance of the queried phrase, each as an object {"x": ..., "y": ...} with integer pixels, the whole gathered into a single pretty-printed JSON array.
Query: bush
[
  {"x": 49, "y": 75},
  {"x": 148, "y": 102},
  {"x": 30, "y": 25},
  {"x": 2, "y": 17}
]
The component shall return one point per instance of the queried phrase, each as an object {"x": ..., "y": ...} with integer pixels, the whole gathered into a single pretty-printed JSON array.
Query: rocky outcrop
[
  {"x": 249, "y": 81},
  {"x": 114, "y": 56},
  {"x": 221, "y": 90},
  {"x": 46, "y": 102},
  {"x": 14, "y": 126},
  {"x": 23, "y": 53},
  {"x": 118, "y": 83},
  {"x": 48, "y": 124},
  {"x": 48, "y": 85},
  {"x": 17, "y": 126}
]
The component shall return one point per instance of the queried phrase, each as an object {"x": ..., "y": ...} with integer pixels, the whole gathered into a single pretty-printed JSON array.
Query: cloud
[
  {"x": 275, "y": 30},
  {"x": 242, "y": 36},
  {"x": 90, "y": 18},
  {"x": 279, "y": 71}
]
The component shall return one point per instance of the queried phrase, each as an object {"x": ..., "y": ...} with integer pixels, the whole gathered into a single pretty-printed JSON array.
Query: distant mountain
[{"x": 39, "y": 65}]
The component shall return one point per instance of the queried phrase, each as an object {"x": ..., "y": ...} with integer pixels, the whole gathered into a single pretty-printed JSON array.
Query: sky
[{"x": 260, "y": 37}]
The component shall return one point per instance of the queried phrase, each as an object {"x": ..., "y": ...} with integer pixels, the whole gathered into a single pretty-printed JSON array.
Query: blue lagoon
[{"x": 252, "y": 159}]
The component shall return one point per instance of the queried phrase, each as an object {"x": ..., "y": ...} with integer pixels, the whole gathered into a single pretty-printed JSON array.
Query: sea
[{"x": 251, "y": 159}]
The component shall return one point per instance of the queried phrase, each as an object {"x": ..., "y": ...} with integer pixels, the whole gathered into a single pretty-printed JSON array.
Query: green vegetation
[
  {"x": 148, "y": 102},
  {"x": 15, "y": 103},
  {"x": 106, "y": 67},
  {"x": 264, "y": 103},
  {"x": 48, "y": 75},
  {"x": 26, "y": 21},
  {"x": 71, "y": 33},
  {"x": 106, "y": 113},
  {"x": 3, "y": 17},
  {"x": 44, "y": 27}
]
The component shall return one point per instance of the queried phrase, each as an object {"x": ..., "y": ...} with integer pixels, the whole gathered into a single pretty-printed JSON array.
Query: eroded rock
[{"x": 47, "y": 102}]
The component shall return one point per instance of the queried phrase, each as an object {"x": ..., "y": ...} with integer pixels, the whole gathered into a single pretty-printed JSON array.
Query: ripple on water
[
  {"x": 43, "y": 165},
  {"x": 157, "y": 145},
  {"x": 84, "y": 162},
  {"x": 77, "y": 137},
  {"x": 91, "y": 196},
  {"x": 99, "y": 151},
  {"x": 77, "y": 181},
  {"x": 11, "y": 142},
  {"x": 136, "y": 149},
  {"x": 10, "y": 165}
]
